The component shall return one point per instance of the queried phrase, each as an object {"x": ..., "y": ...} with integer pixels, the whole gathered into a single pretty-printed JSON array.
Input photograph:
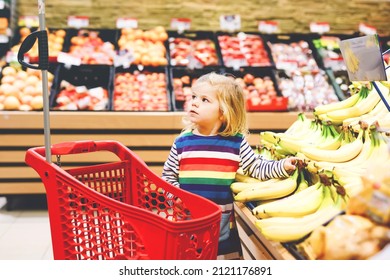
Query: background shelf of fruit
[
  {"x": 336, "y": 205},
  {"x": 153, "y": 69}
]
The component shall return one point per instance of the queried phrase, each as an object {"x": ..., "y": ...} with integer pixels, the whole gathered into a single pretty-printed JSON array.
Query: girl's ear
[{"x": 221, "y": 117}]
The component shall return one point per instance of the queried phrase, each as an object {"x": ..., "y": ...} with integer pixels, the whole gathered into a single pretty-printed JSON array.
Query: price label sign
[
  {"x": 181, "y": 24},
  {"x": 126, "y": 23},
  {"x": 13, "y": 56},
  {"x": 124, "y": 59},
  {"x": 230, "y": 23},
  {"x": 4, "y": 39},
  {"x": 28, "y": 21},
  {"x": 268, "y": 26},
  {"x": 319, "y": 27},
  {"x": 68, "y": 59},
  {"x": 2, "y": 5},
  {"x": 367, "y": 29},
  {"x": 78, "y": 21}
]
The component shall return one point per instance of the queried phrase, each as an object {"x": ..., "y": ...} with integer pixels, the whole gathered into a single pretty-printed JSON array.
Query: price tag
[
  {"x": 78, "y": 21},
  {"x": 319, "y": 27},
  {"x": 367, "y": 29},
  {"x": 68, "y": 59},
  {"x": 13, "y": 56},
  {"x": 97, "y": 92},
  {"x": 230, "y": 23},
  {"x": 287, "y": 64},
  {"x": 28, "y": 21},
  {"x": 2, "y": 5},
  {"x": 124, "y": 59},
  {"x": 126, "y": 23},
  {"x": 237, "y": 61},
  {"x": 268, "y": 26},
  {"x": 181, "y": 24},
  {"x": 4, "y": 39}
]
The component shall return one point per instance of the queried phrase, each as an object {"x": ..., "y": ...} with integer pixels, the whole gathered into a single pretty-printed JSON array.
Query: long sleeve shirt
[{"x": 207, "y": 165}]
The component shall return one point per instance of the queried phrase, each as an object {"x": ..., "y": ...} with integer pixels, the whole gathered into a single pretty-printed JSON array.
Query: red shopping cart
[{"x": 121, "y": 209}]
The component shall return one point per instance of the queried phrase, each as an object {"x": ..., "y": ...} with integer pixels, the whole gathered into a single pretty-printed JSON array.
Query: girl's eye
[
  {"x": 193, "y": 97},
  {"x": 205, "y": 100}
]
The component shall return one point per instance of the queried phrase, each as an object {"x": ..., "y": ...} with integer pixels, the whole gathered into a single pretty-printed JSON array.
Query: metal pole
[{"x": 46, "y": 109}]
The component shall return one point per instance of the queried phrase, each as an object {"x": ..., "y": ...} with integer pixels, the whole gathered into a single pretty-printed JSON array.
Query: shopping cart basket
[{"x": 121, "y": 209}]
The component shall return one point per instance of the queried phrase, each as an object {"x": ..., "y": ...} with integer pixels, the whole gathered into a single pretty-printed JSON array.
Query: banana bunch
[
  {"x": 363, "y": 105},
  {"x": 264, "y": 190},
  {"x": 374, "y": 150},
  {"x": 312, "y": 133},
  {"x": 293, "y": 228},
  {"x": 339, "y": 145},
  {"x": 299, "y": 203}
]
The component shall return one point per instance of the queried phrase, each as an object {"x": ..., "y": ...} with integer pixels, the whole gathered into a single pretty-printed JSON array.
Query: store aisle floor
[{"x": 24, "y": 234}]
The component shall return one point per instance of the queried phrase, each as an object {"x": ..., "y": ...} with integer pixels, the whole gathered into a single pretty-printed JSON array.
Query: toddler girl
[{"x": 205, "y": 157}]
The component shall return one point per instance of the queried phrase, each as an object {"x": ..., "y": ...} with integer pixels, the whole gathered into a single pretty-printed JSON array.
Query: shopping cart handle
[
  {"x": 75, "y": 147},
  {"x": 28, "y": 43}
]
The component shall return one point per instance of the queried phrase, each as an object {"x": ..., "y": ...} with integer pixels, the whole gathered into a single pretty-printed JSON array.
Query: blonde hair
[{"x": 231, "y": 101}]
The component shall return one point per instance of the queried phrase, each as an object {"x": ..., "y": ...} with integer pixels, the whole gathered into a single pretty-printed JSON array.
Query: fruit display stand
[
  {"x": 253, "y": 244},
  {"x": 149, "y": 134}
]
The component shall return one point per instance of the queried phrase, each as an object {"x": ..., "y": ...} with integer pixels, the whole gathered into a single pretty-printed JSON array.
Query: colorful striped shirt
[{"x": 207, "y": 166}]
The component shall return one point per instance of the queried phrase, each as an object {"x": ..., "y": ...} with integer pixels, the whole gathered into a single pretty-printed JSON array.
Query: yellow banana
[
  {"x": 344, "y": 153},
  {"x": 259, "y": 191},
  {"x": 297, "y": 125},
  {"x": 303, "y": 183},
  {"x": 361, "y": 158},
  {"x": 288, "y": 229},
  {"x": 268, "y": 136},
  {"x": 245, "y": 178},
  {"x": 346, "y": 103},
  {"x": 297, "y": 204},
  {"x": 363, "y": 106},
  {"x": 237, "y": 187}
]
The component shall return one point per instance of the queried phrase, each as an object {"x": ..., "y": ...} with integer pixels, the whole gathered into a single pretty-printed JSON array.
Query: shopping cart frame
[{"x": 186, "y": 226}]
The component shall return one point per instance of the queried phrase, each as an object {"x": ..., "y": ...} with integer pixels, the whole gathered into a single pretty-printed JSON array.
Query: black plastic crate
[
  {"x": 244, "y": 49},
  {"x": 94, "y": 81},
  {"x": 144, "y": 49},
  {"x": 328, "y": 48},
  {"x": 306, "y": 90},
  {"x": 260, "y": 88},
  {"x": 194, "y": 46},
  {"x": 94, "y": 55},
  {"x": 141, "y": 89},
  {"x": 181, "y": 80},
  {"x": 302, "y": 55}
]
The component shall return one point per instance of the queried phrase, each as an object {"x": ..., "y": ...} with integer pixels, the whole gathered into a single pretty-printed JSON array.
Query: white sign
[
  {"x": 124, "y": 59},
  {"x": 67, "y": 59},
  {"x": 363, "y": 58},
  {"x": 367, "y": 29},
  {"x": 230, "y": 23},
  {"x": 4, "y": 39},
  {"x": 319, "y": 27},
  {"x": 78, "y": 21},
  {"x": 268, "y": 26},
  {"x": 126, "y": 23},
  {"x": 181, "y": 24}
]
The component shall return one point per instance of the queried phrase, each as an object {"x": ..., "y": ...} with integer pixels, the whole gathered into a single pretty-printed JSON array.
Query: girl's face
[{"x": 204, "y": 111}]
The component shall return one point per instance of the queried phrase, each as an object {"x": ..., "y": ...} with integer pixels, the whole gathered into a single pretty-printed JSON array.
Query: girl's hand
[{"x": 291, "y": 163}]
